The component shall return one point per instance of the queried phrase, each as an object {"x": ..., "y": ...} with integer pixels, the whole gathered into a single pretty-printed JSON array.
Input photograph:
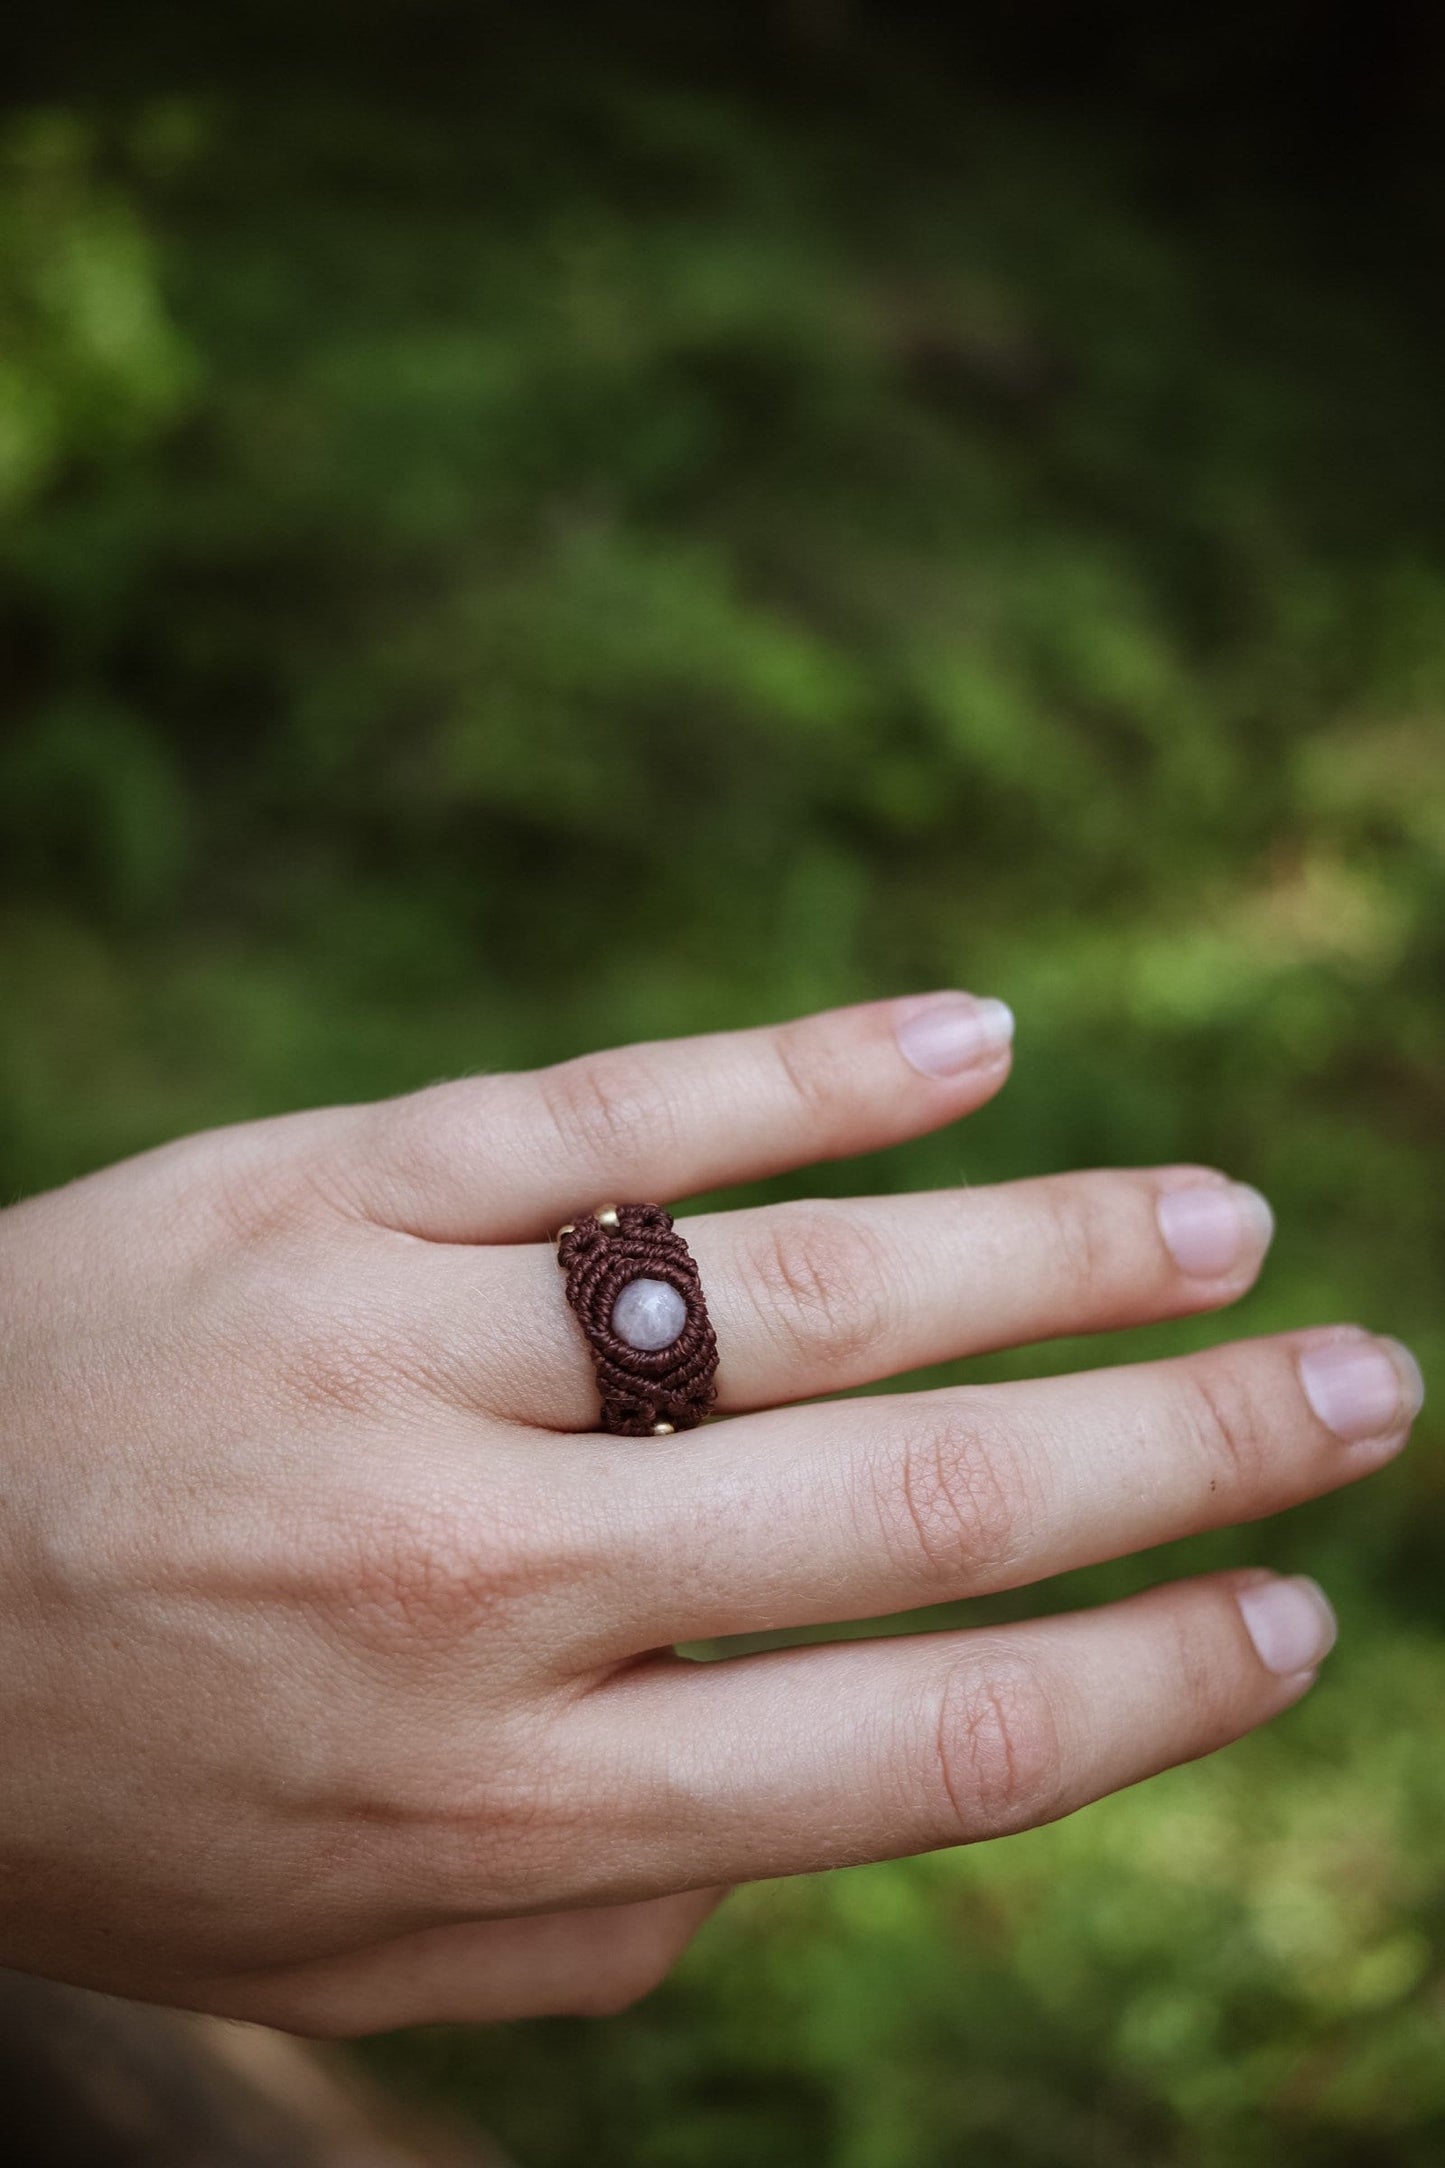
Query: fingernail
[
  {"x": 1362, "y": 1388},
  {"x": 1215, "y": 1227},
  {"x": 1291, "y": 1623},
  {"x": 944, "y": 1034}
]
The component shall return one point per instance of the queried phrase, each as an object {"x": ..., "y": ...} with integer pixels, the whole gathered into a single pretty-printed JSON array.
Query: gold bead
[
  {"x": 606, "y": 1216},
  {"x": 663, "y": 1430}
]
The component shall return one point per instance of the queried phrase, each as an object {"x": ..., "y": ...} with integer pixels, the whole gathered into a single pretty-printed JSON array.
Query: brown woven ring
[{"x": 643, "y": 1394}]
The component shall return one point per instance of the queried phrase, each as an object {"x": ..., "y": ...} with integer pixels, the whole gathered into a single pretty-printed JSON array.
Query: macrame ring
[{"x": 645, "y": 1393}]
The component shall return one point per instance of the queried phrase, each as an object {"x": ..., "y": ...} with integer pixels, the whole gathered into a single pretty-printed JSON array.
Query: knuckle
[
  {"x": 339, "y": 1357},
  {"x": 468, "y": 1836},
  {"x": 996, "y": 1748},
  {"x": 259, "y": 1195},
  {"x": 1080, "y": 1232},
  {"x": 952, "y": 1498},
  {"x": 407, "y": 1575},
  {"x": 506, "y": 1838},
  {"x": 419, "y": 1140},
  {"x": 823, "y": 1280},
  {"x": 1208, "y": 1688},
  {"x": 809, "y": 1076},
  {"x": 605, "y": 1106},
  {"x": 1222, "y": 1424}
]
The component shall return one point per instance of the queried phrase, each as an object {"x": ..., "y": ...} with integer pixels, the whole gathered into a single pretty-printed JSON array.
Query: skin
[{"x": 335, "y": 1650}]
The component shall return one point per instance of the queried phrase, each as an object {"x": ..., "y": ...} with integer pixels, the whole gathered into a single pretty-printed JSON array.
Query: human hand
[{"x": 335, "y": 1647}]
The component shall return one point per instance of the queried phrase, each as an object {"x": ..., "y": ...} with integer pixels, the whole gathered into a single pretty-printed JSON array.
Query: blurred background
[{"x": 526, "y": 528}]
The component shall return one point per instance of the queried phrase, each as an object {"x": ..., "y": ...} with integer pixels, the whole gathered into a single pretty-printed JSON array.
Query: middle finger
[{"x": 816, "y": 1297}]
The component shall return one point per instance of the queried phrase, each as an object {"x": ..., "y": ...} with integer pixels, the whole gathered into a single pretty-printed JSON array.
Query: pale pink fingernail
[
  {"x": 944, "y": 1034},
  {"x": 1213, "y": 1228},
  {"x": 1291, "y": 1623},
  {"x": 1362, "y": 1388}
]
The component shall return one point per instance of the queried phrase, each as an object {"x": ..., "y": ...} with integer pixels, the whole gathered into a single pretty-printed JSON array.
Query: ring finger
[{"x": 863, "y": 1508}]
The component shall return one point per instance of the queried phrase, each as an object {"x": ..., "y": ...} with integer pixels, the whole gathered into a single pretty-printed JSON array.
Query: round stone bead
[{"x": 648, "y": 1315}]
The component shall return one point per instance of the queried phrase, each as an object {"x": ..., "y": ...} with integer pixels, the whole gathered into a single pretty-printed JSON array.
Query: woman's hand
[{"x": 334, "y": 1645}]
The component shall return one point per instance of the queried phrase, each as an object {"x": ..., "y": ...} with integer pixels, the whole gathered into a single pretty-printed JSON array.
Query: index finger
[{"x": 505, "y": 1158}]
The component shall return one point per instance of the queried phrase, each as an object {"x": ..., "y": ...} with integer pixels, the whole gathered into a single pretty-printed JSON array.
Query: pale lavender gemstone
[{"x": 648, "y": 1315}]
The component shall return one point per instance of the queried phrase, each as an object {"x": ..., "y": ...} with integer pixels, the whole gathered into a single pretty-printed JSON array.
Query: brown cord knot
[{"x": 643, "y": 1393}]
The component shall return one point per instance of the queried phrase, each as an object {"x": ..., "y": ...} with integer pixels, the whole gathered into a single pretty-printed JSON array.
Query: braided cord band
[{"x": 646, "y": 1391}]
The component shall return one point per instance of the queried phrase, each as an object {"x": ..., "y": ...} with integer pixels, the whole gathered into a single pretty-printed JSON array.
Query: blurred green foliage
[{"x": 518, "y": 534}]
